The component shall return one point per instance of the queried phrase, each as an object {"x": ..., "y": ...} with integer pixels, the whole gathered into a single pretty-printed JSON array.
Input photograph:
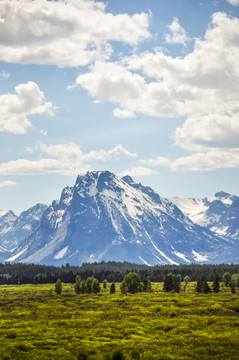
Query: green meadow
[{"x": 36, "y": 323}]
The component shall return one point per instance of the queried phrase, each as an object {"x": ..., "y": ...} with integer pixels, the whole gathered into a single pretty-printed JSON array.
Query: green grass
[{"x": 37, "y": 324}]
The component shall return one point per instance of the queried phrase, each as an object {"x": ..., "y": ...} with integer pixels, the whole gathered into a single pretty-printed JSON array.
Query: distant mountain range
[{"x": 103, "y": 217}]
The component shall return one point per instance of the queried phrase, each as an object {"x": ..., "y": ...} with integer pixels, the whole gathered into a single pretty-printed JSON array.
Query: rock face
[
  {"x": 105, "y": 218},
  {"x": 219, "y": 213},
  {"x": 13, "y": 228}
]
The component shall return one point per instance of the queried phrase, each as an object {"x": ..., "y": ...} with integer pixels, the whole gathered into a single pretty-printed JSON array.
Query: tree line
[
  {"x": 111, "y": 271},
  {"x": 132, "y": 284}
]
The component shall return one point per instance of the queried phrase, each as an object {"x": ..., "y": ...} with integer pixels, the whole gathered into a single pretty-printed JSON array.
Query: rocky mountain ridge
[{"x": 103, "y": 217}]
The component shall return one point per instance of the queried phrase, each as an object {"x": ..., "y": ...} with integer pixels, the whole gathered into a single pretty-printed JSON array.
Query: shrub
[
  {"x": 88, "y": 284},
  {"x": 95, "y": 287},
  {"x": 172, "y": 283},
  {"x": 131, "y": 283},
  {"x": 226, "y": 278},
  {"x": 58, "y": 287}
]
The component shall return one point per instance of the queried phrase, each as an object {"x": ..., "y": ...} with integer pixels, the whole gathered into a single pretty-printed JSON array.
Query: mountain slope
[
  {"x": 13, "y": 229},
  {"x": 105, "y": 218},
  {"x": 219, "y": 213}
]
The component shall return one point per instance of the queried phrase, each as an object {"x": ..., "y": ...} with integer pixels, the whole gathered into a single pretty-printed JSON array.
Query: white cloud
[
  {"x": 206, "y": 81},
  {"x": 178, "y": 34},
  {"x": 64, "y": 159},
  {"x": 115, "y": 83},
  {"x": 209, "y": 131},
  {"x": 202, "y": 86},
  {"x": 64, "y": 32},
  {"x": 7, "y": 183},
  {"x": 160, "y": 161},
  {"x": 4, "y": 75},
  {"x": 138, "y": 171},
  {"x": 207, "y": 161},
  {"x": 233, "y": 2},
  {"x": 16, "y": 108}
]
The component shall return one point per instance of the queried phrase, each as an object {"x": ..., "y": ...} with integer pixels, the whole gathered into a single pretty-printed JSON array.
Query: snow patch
[
  {"x": 2, "y": 213},
  {"x": 17, "y": 255},
  {"x": 199, "y": 257},
  {"x": 92, "y": 190},
  {"x": 27, "y": 227},
  {"x": 181, "y": 256},
  {"x": 165, "y": 256},
  {"x": 222, "y": 231},
  {"x": 144, "y": 261},
  {"x": 61, "y": 253}
]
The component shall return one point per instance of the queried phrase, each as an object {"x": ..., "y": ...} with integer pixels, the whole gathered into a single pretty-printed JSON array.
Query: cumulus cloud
[
  {"x": 204, "y": 81},
  {"x": 64, "y": 159},
  {"x": 115, "y": 83},
  {"x": 138, "y": 171},
  {"x": 209, "y": 131},
  {"x": 207, "y": 161},
  {"x": 16, "y": 108},
  {"x": 233, "y": 2},
  {"x": 201, "y": 87},
  {"x": 178, "y": 34},
  {"x": 7, "y": 183},
  {"x": 64, "y": 32}
]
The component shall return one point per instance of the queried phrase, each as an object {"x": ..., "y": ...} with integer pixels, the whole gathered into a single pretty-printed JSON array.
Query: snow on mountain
[
  {"x": 13, "y": 229},
  {"x": 2, "y": 212},
  {"x": 105, "y": 218},
  {"x": 219, "y": 213}
]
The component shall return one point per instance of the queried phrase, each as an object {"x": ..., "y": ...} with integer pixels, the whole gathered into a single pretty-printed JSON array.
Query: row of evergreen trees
[
  {"x": 111, "y": 271},
  {"x": 132, "y": 284}
]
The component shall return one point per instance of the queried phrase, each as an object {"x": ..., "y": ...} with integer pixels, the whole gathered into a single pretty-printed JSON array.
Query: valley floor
[{"x": 35, "y": 323}]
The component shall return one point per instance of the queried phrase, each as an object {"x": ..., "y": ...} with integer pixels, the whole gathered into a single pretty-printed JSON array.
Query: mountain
[
  {"x": 103, "y": 217},
  {"x": 13, "y": 228},
  {"x": 219, "y": 213}
]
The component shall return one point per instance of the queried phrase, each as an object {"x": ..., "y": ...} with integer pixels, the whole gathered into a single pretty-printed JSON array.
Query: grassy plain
[{"x": 35, "y": 323}]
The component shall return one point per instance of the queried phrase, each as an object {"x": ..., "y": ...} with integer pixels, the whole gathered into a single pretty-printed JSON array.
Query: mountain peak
[
  {"x": 104, "y": 217},
  {"x": 222, "y": 194},
  {"x": 128, "y": 179}
]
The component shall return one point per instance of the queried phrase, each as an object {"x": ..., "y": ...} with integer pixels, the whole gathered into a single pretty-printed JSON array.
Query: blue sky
[{"x": 145, "y": 88}]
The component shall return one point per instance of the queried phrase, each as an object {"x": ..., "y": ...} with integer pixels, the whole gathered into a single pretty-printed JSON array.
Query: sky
[{"x": 144, "y": 88}]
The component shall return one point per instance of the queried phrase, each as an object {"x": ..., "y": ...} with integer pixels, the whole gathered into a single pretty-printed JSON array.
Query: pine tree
[
  {"x": 112, "y": 288},
  {"x": 168, "y": 283},
  {"x": 176, "y": 283},
  {"x": 199, "y": 286},
  {"x": 147, "y": 286},
  {"x": 206, "y": 288},
  {"x": 78, "y": 284},
  {"x": 105, "y": 284},
  {"x": 216, "y": 284}
]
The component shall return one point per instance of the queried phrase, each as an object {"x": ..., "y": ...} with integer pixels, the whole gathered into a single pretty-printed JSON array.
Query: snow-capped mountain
[
  {"x": 105, "y": 218},
  {"x": 219, "y": 213},
  {"x": 13, "y": 228}
]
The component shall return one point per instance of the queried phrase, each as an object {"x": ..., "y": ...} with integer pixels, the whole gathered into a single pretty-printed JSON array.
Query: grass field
[{"x": 38, "y": 324}]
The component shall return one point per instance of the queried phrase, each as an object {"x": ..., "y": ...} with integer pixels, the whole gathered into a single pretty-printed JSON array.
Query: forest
[{"x": 111, "y": 271}]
